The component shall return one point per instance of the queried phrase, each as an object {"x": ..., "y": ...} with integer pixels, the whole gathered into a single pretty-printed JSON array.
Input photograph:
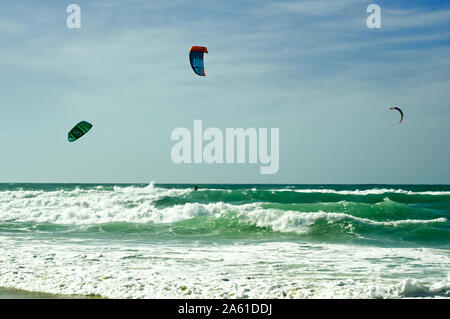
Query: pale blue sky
[{"x": 310, "y": 68}]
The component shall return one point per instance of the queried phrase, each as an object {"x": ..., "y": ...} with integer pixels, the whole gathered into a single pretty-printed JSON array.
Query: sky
[{"x": 311, "y": 68}]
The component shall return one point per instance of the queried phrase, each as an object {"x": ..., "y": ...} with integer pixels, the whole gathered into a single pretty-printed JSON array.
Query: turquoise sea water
[{"x": 226, "y": 241}]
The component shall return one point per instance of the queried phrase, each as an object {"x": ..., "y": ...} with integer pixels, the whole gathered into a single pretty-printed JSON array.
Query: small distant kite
[
  {"x": 79, "y": 130},
  {"x": 196, "y": 59},
  {"x": 401, "y": 112}
]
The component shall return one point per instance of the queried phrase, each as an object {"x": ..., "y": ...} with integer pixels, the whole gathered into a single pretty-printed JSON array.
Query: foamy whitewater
[{"x": 226, "y": 241}]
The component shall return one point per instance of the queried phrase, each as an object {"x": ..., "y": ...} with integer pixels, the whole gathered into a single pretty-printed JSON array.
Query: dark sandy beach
[{"x": 8, "y": 293}]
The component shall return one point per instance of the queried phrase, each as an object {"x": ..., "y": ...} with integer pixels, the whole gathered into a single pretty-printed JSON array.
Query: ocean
[{"x": 226, "y": 241}]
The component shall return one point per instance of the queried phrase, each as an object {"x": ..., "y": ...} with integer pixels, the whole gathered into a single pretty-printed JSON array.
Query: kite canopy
[
  {"x": 401, "y": 112},
  {"x": 79, "y": 130},
  {"x": 196, "y": 59}
]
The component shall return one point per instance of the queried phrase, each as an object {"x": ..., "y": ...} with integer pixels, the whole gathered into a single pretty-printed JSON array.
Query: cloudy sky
[{"x": 310, "y": 68}]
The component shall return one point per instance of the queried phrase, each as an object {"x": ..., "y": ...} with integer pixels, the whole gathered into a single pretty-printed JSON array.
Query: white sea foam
[
  {"x": 120, "y": 268},
  {"x": 237, "y": 270},
  {"x": 414, "y": 288},
  {"x": 374, "y": 191},
  {"x": 137, "y": 205},
  {"x": 299, "y": 222},
  {"x": 92, "y": 206}
]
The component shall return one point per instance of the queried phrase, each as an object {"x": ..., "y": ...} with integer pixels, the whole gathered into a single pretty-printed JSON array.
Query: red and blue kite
[{"x": 196, "y": 59}]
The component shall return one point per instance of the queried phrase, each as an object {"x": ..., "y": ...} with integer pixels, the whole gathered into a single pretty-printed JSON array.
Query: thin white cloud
[
  {"x": 414, "y": 18},
  {"x": 312, "y": 7},
  {"x": 10, "y": 27}
]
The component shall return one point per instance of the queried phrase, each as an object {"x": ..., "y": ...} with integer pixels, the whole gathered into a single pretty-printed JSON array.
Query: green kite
[{"x": 79, "y": 130}]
